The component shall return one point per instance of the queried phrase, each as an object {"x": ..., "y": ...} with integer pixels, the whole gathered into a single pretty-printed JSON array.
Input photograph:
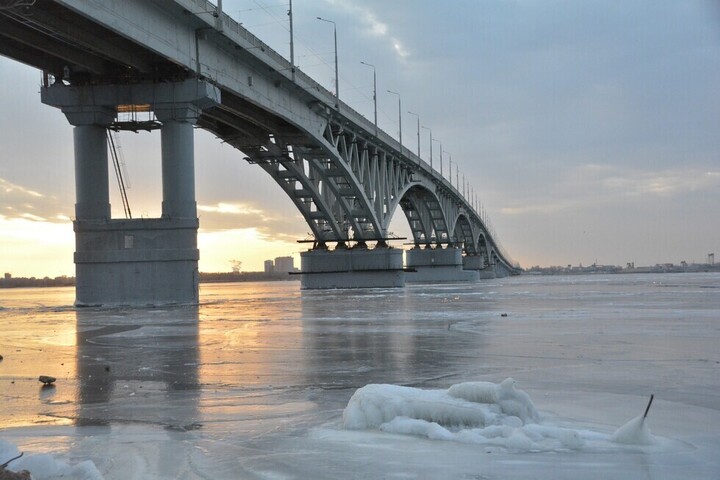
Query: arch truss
[{"x": 344, "y": 185}]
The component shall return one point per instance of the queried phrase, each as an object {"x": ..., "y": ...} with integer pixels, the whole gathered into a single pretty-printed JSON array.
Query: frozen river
[{"x": 252, "y": 384}]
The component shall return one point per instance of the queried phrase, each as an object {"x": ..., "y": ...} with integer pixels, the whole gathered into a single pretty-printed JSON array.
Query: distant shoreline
[
  {"x": 220, "y": 277},
  {"x": 232, "y": 277},
  {"x": 610, "y": 269}
]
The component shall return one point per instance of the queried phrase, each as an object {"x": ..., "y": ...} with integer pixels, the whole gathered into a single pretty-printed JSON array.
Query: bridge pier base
[
  {"x": 352, "y": 268},
  {"x": 134, "y": 261},
  {"x": 501, "y": 271},
  {"x": 477, "y": 263},
  {"x": 437, "y": 265}
]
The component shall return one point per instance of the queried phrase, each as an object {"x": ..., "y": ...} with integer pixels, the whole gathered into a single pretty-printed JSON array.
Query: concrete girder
[
  {"x": 67, "y": 53},
  {"x": 84, "y": 37},
  {"x": 30, "y": 55}
]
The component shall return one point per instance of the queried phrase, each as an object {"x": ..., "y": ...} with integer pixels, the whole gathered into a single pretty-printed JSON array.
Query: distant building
[
  {"x": 284, "y": 264},
  {"x": 8, "y": 276},
  {"x": 269, "y": 267},
  {"x": 711, "y": 259}
]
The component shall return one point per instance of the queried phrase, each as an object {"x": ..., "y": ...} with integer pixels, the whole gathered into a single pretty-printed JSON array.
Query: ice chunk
[
  {"x": 472, "y": 412},
  {"x": 511, "y": 400},
  {"x": 373, "y": 405},
  {"x": 566, "y": 437},
  {"x": 413, "y": 426},
  {"x": 479, "y": 392},
  {"x": 472, "y": 404},
  {"x": 516, "y": 402}
]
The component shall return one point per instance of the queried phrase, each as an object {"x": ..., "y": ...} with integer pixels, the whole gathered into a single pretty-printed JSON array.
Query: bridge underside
[{"x": 344, "y": 176}]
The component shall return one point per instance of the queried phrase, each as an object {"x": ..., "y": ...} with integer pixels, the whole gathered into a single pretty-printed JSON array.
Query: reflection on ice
[
  {"x": 476, "y": 412},
  {"x": 127, "y": 365}
]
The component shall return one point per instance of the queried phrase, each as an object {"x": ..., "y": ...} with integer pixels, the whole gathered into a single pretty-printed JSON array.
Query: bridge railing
[{"x": 207, "y": 11}]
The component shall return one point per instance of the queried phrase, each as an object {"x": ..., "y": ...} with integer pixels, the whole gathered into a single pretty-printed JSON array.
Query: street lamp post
[
  {"x": 337, "y": 78},
  {"x": 374, "y": 92},
  {"x": 292, "y": 42},
  {"x": 450, "y": 168},
  {"x": 399, "y": 117},
  {"x": 441, "y": 151},
  {"x": 431, "y": 140},
  {"x": 418, "y": 130}
]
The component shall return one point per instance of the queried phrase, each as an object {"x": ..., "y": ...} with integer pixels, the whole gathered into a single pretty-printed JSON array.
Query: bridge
[{"x": 185, "y": 63}]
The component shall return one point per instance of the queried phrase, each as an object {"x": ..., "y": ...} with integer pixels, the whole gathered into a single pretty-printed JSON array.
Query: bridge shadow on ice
[{"x": 138, "y": 366}]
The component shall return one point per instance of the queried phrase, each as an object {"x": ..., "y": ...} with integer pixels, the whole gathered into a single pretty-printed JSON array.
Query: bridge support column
[
  {"x": 477, "y": 263},
  {"x": 91, "y": 172},
  {"x": 178, "y": 162},
  {"x": 134, "y": 261},
  {"x": 437, "y": 265},
  {"x": 352, "y": 268}
]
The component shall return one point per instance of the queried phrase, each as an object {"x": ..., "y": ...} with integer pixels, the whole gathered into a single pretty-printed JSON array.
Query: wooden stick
[
  {"x": 4, "y": 465},
  {"x": 647, "y": 409}
]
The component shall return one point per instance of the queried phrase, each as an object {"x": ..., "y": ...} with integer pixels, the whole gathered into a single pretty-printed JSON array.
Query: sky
[{"x": 589, "y": 130}]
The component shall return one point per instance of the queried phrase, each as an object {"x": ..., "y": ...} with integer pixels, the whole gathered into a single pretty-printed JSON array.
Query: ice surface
[{"x": 253, "y": 383}]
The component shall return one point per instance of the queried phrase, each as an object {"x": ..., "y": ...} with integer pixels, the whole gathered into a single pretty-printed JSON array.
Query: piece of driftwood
[{"x": 8, "y": 475}]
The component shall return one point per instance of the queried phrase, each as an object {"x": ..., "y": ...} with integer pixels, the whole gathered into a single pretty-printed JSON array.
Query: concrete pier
[
  {"x": 437, "y": 265},
  {"x": 135, "y": 261},
  {"x": 352, "y": 268},
  {"x": 477, "y": 263}
]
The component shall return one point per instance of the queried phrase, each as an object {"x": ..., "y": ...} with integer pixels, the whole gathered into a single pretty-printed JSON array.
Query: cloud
[
  {"x": 664, "y": 183},
  {"x": 373, "y": 26},
  {"x": 594, "y": 185},
  {"x": 8, "y": 188},
  {"x": 535, "y": 209},
  {"x": 230, "y": 208},
  {"x": 17, "y": 201},
  {"x": 230, "y": 216}
]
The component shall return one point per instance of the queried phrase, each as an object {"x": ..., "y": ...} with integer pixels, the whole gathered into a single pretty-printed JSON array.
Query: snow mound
[
  {"x": 480, "y": 413},
  {"x": 43, "y": 466},
  {"x": 634, "y": 432}
]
